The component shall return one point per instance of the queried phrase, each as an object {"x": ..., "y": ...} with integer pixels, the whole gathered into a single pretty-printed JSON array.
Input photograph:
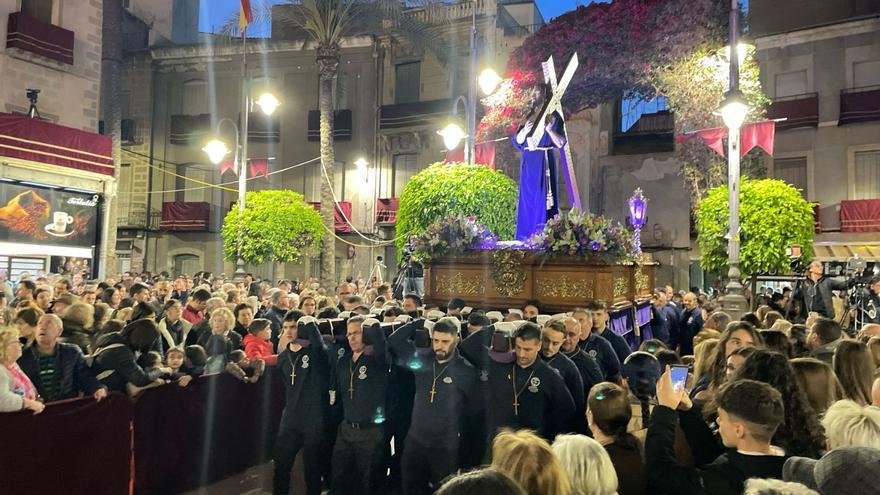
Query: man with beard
[
  {"x": 523, "y": 391},
  {"x": 690, "y": 325},
  {"x": 591, "y": 373},
  {"x": 305, "y": 367},
  {"x": 445, "y": 387},
  {"x": 552, "y": 338}
]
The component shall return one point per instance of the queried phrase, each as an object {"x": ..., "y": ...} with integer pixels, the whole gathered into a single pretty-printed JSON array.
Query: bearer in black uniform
[
  {"x": 591, "y": 374},
  {"x": 523, "y": 391},
  {"x": 446, "y": 386},
  {"x": 305, "y": 367},
  {"x": 552, "y": 338},
  {"x": 361, "y": 384}
]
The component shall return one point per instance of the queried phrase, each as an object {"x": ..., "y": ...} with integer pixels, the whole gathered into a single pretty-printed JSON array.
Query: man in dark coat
[{"x": 56, "y": 369}]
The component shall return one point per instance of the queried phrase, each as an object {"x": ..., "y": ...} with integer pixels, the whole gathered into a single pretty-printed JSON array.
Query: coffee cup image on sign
[{"x": 60, "y": 222}]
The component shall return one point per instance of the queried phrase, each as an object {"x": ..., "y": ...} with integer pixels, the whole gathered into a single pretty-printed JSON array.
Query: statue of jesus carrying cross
[{"x": 542, "y": 132}]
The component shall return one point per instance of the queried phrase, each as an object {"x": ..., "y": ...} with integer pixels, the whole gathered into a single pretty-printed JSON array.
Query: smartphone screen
[{"x": 679, "y": 376}]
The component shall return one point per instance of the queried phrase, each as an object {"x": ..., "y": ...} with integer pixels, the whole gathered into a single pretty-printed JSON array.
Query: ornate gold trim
[
  {"x": 508, "y": 275},
  {"x": 564, "y": 287},
  {"x": 459, "y": 284},
  {"x": 641, "y": 279},
  {"x": 621, "y": 286}
]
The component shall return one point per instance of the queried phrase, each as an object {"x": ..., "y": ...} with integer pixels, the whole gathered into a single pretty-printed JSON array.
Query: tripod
[{"x": 378, "y": 269}]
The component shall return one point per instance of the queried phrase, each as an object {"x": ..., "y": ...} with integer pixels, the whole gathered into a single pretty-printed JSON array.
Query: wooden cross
[
  {"x": 293, "y": 375},
  {"x": 433, "y": 393},
  {"x": 554, "y": 104},
  {"x": 516, "y": 405}
]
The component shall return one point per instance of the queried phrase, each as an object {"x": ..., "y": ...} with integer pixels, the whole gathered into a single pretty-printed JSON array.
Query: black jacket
[
  {"x": 361, "y": 385},
  {"x": 117, "y": 366},
  {"x": 575, "y": 385},
  {"x": 601, "y": 351},
  {"x": 591, "y": 374},
  {"x": 71, "y": 372},
  {"x": 817, "y": 296},
  {"x": 726, "y": 475},
  {"x": 689, "y": 325},
  {"x": 436, "y": 418},
  {"x": 306, "y": 377},
  {"x": 618, "y": 343},
  {"x": 74, "y": 333}
]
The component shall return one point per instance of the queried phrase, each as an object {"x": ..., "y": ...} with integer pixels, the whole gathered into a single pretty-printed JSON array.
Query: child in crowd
[
  {"x": 196, "y": 359},
  {"x": 174, "y": 359},
  {"x": 239, "y": 365},
  {"x": 257, "y": 344}
]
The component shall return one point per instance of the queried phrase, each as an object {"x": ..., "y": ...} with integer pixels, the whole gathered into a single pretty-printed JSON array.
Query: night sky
[{"x": 215, "y": 12}]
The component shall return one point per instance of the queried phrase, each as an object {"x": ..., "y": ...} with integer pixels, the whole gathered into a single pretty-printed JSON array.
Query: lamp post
[
  {"x": 733, "y": 110},
  {"x": 217, "y": 151},
  {"x": 638, "y": 208}
]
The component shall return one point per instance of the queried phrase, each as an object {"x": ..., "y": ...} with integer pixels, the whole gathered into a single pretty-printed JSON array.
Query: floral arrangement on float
[
  {"x": 581, "y": 234},
  {"x": 451, "y": 235}
]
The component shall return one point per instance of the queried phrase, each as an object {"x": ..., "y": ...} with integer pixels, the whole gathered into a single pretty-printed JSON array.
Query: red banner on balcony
[
  {"x": 39, "y": 141},
  {"x": 386, "y": 210},
  {"x": 185, "y": 216},
  {"x": 760, "y": 134},
  {"x": 860, "y": 215},
  {"x": 484, "y": 154},
  {"x": 258, "y": 167},
  {"x": 338, "y": 219},
  {"x": 713, "y": 138},
  {"x": 35, "y": 36}
]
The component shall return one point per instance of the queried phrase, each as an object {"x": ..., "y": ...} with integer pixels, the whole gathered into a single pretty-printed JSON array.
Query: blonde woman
[
  {"x": 529, "y": 460},
  {"x": 848, "y": 424},
  {"x": 588, "y": 465},
  {"x": 17, "y": 392}
]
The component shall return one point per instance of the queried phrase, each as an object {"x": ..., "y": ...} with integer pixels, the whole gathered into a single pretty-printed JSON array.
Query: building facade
[
  {"x": 57, "y": 172},
  {"x": 391, "y": 98},
  {"x": 820, "y": 65}
]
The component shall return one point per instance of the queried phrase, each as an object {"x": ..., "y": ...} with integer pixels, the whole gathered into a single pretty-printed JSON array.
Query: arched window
[{"x": 186, "y": 264}]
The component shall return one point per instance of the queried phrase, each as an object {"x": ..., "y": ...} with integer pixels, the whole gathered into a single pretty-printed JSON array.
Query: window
[
  {"x": 195, "y": 97},
  {"x": 866, "y": 74},
  {"x": 793, "y": 171},
  {"x": 188, "y": 190},
  {"x": 15, "y": 266},
  {"x": 38, "y": 9},
  {"x": 407, "y": 82},
  {"x": 867, "y": 175},
  {"x": 403, "y": 168},
  {"x": 632, "y": 107},
  {"x": 791, "y": 83}
]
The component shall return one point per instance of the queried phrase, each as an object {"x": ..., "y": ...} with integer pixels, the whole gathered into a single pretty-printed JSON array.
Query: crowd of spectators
[{"x": 388, "y": 395}]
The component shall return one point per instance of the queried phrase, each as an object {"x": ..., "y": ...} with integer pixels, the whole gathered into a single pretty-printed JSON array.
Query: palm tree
[{"x": 327, "y": 23}]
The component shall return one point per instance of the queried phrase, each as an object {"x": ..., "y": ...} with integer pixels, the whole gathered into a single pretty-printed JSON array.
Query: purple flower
[{"x": 594, "y": 246}]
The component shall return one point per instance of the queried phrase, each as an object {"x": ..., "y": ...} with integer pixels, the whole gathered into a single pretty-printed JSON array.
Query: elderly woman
[
  {"x": 17, "y": 392},
  {"x": 222, "y": 321}
]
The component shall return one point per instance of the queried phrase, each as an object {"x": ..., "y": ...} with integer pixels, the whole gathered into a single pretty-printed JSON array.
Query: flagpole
[{"x": 243, "y": 161}]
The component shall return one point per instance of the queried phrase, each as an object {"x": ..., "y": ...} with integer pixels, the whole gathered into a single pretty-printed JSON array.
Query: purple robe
[{"x": 538, "y": 197}]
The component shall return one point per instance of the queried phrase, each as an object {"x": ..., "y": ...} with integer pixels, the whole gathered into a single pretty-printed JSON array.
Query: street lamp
[
  {"x": 452, "y": 135},
  {"x": 638, "y": 208},
  {"x": 733, "y": 111},
  {"x": 217, "y": 150}
]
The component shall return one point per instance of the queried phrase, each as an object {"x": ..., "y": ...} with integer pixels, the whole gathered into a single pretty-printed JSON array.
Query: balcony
[
  {"x": 798, "y": 110},
  {"x": 860, "y": 215},
  {"x": 386, "y": 211},
  {"x": 189, "y": 130},
  {"x": 340, "y": 225},
  {"x": 183, "y": 216},
  {"x": 652, "y": 133},
  {"x": 46, "y": 40},
  {"x": 859, "y": 105},
  {"x": 138, "y": 219},
  {"x": 342, "y": 124},
  {"x": 418, "y": 113}
]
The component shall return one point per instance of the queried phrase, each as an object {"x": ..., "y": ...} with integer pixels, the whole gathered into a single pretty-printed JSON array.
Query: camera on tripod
[{"x": 796, "y": 260}]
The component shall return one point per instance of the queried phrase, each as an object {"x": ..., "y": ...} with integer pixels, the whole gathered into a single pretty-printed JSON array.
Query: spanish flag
[{"x": 245, "y": 16}]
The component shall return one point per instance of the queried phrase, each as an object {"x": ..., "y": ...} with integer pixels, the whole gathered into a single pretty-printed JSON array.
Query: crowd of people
[{"x": 392, "y": 395}]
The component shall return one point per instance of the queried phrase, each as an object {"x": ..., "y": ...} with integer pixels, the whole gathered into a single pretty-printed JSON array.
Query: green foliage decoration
[
  {"x": 443, "y": 190},
  {"x": 773, "y": 216},
  {"x": 276, "y": 226}
]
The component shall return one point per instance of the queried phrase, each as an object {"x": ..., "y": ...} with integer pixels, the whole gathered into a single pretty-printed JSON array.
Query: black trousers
[
  {"x": 289, "y": 442},
  {"x": 358, "y": 459},
  {"x": 425, "y": 467}
]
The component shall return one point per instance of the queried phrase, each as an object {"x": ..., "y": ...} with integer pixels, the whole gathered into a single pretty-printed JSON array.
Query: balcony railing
[
  {"x": 35, "y": 36},
  {"x": 386, "y": 211},
  {"x": 526, "y": 30},
  {"x": 342, "y": 125},
  {"x": 183, "y": 216},
  {"x": 797, "y": 110},
  {"x": 188, "y": 130},
  {"x": 859, "y": 105},
  {"x": 137, "y": 218},
  {"x": 652, "y": 133},
  {"x": 441, "y": 13}
]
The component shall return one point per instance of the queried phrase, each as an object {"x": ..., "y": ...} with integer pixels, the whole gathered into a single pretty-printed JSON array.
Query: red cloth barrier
[
  {"x": 860, "y": 215},
  {"x": 77, "y": 446},
  {"x": 181, "y": 438}
]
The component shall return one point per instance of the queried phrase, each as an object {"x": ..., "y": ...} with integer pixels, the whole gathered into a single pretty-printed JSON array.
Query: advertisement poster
[{"x": 34, "y": 215}]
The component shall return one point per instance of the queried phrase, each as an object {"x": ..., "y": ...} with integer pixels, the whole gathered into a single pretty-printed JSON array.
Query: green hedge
[
  {"x": 278, "y": 226},
  {"x": 442, "y": 190},
  {"x": 772, "y": 216}
]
